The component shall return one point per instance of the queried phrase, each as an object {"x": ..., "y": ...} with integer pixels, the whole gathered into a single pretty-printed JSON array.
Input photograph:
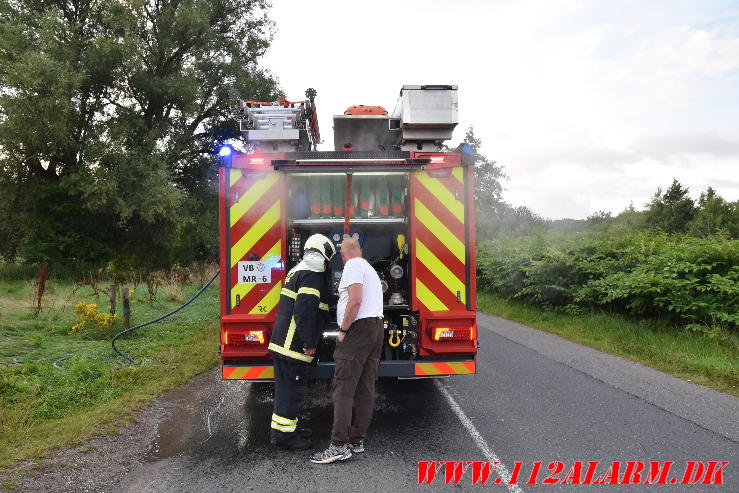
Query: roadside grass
[
  {"x": 713, "y": 362},
  {"x": 42, "y": 407}
]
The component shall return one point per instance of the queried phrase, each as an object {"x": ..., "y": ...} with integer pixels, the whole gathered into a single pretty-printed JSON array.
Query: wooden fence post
[
  {"x": 126, "y": 307},
  {"x": 43, "y": 270},
  {"x": 113, "y": 297}
]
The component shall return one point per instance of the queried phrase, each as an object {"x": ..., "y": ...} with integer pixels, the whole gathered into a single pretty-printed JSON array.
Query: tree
[
  {"x": 489, "y": 204},
  {"x": 57, "y": 62},
  {"x": 625, "y": 221},
  {"x": 672, "y": 211},
  {"x": 714, "y": 214},
  {"x": 109, "y": 116},
  {"x": 600, "y": 220},
  {"x": 517, "y": 221}
]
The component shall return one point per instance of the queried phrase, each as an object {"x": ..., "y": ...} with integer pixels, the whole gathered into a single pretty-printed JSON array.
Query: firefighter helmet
[{"x": 321, "y": 244}]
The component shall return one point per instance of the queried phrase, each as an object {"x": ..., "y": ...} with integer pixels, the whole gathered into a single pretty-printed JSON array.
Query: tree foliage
[
  {"x": 672, "y": 210},
  {"x": 109, "y": 115},
  {"x": 675, "y": 212},
  {"x": 714, "y": 214},
  {"x": 488, "y": 174}
]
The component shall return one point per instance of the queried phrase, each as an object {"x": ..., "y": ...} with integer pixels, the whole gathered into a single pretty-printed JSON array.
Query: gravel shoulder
[{"x": 101, "y": 462}]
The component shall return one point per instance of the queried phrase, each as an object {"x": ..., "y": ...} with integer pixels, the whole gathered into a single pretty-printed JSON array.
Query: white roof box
[{"x": 429, "y": 106}]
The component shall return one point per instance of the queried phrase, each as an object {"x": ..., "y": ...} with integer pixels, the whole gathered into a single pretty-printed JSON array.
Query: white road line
[{"x": 501, "y": 469}]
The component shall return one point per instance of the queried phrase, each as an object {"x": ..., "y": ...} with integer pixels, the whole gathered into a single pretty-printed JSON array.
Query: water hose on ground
[
  {"x": 19, "y": 361},
  {"x": 158, "y": 319}
]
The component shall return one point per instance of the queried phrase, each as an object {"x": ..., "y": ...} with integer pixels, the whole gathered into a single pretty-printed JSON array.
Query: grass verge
[
  {"x": 42, "y": 407},
  {"x": 697, "y": 358}
]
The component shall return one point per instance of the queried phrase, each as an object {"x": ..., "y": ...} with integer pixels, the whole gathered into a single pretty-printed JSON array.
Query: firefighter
[{"x": 302, "y": 311}]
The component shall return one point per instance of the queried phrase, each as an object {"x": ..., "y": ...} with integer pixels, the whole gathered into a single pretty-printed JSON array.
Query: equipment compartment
[{"x": 378, "y": 209}]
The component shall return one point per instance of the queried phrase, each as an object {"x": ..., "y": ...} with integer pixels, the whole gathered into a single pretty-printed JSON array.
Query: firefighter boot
[{"x": 296, "y": 442}]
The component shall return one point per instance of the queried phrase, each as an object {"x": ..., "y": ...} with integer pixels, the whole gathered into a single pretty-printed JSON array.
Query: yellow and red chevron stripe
[
  {"x": 255, "y": 222},
  {"x": 451, "y": 368},
  {"x": 248, "y": 372},
  {"x": 439, "y": 240}
]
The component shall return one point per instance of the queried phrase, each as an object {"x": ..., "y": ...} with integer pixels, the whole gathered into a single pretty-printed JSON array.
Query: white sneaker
[{"x": 332, "y": 454}]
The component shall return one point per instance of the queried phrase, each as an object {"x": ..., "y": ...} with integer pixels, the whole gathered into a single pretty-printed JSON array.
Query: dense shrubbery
[{"x": 691, "y": 280}]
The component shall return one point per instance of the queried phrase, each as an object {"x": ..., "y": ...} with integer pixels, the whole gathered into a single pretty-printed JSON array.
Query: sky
[{"x": 588, "y": 105}]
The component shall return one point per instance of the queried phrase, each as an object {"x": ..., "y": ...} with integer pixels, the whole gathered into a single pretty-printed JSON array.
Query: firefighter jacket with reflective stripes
[{"x": 301, "y": 314}]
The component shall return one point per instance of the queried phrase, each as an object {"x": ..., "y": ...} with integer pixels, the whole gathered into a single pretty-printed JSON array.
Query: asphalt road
[{"x": 535, "y": 398}]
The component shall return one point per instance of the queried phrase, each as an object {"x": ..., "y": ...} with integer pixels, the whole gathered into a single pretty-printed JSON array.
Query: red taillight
[
  {"x": 244, "y": 338},
  {"x": 453, "y": 334}
]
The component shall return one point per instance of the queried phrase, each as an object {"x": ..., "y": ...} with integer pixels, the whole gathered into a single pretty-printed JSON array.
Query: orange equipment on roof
[{"x": 361, "y": 109}]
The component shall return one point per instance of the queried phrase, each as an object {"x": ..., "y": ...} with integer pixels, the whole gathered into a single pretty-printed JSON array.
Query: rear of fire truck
[{"x": 388, "y": 185}]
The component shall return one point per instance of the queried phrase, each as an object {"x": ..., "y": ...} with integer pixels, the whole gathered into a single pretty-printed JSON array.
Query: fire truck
[{"x": 388, "y": 184}]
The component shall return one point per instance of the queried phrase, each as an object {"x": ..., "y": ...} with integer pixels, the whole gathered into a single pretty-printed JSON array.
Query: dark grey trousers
[{"x": 357, "y": 363}]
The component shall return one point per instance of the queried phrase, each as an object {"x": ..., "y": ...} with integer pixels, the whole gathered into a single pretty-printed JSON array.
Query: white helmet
[{"x": 322, "y": 244}]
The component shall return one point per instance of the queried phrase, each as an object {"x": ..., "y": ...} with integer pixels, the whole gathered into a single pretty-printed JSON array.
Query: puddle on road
[
  {"x": 197, "y": 412},
  {"x": 174, "y": 432},
  {"x": 216, "y": 418}
]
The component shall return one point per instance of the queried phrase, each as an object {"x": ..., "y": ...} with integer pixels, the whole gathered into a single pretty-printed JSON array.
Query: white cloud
[{"x": 607, "y": 100}]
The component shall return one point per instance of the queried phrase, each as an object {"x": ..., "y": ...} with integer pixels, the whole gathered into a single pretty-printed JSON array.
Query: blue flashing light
[
  {"x": 273, "y": 262},
  {"x": 467, "y": 149},
  {"x": 225, "y": 151}
]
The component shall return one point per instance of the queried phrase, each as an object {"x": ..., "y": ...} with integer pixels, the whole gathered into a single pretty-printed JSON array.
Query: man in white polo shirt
[{"x": 357, "y": 355}]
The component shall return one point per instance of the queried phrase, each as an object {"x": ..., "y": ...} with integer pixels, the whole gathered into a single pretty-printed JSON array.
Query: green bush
[{"x": 691, "y": 280}]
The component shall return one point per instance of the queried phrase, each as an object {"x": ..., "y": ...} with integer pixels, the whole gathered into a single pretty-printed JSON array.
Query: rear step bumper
[{"x": 264, "y": 371}]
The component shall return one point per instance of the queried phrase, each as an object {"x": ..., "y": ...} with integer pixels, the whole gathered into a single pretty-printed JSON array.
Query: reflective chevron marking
[
  {"x": 447, "y": 278},
  {"x": 269, "y": 302},
  {"x": 444, "y": 195},
  {"x": 447, "y": 368},
  {"x": 429, "y": 300},
  {"x": 248, "y": 372},
  {"x": 258, "y": 229},
  {"x": 454, "y": 244},
  {"x": 251, "y": 197}
]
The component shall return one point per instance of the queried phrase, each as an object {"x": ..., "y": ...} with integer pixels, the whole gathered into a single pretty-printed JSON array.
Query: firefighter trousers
[
  {"x": 291, "y": 380},
  {"x": 357, "y": 364}
]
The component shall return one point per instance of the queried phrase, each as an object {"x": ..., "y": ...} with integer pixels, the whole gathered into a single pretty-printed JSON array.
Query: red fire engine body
[{"x": 409, "y": 205}]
